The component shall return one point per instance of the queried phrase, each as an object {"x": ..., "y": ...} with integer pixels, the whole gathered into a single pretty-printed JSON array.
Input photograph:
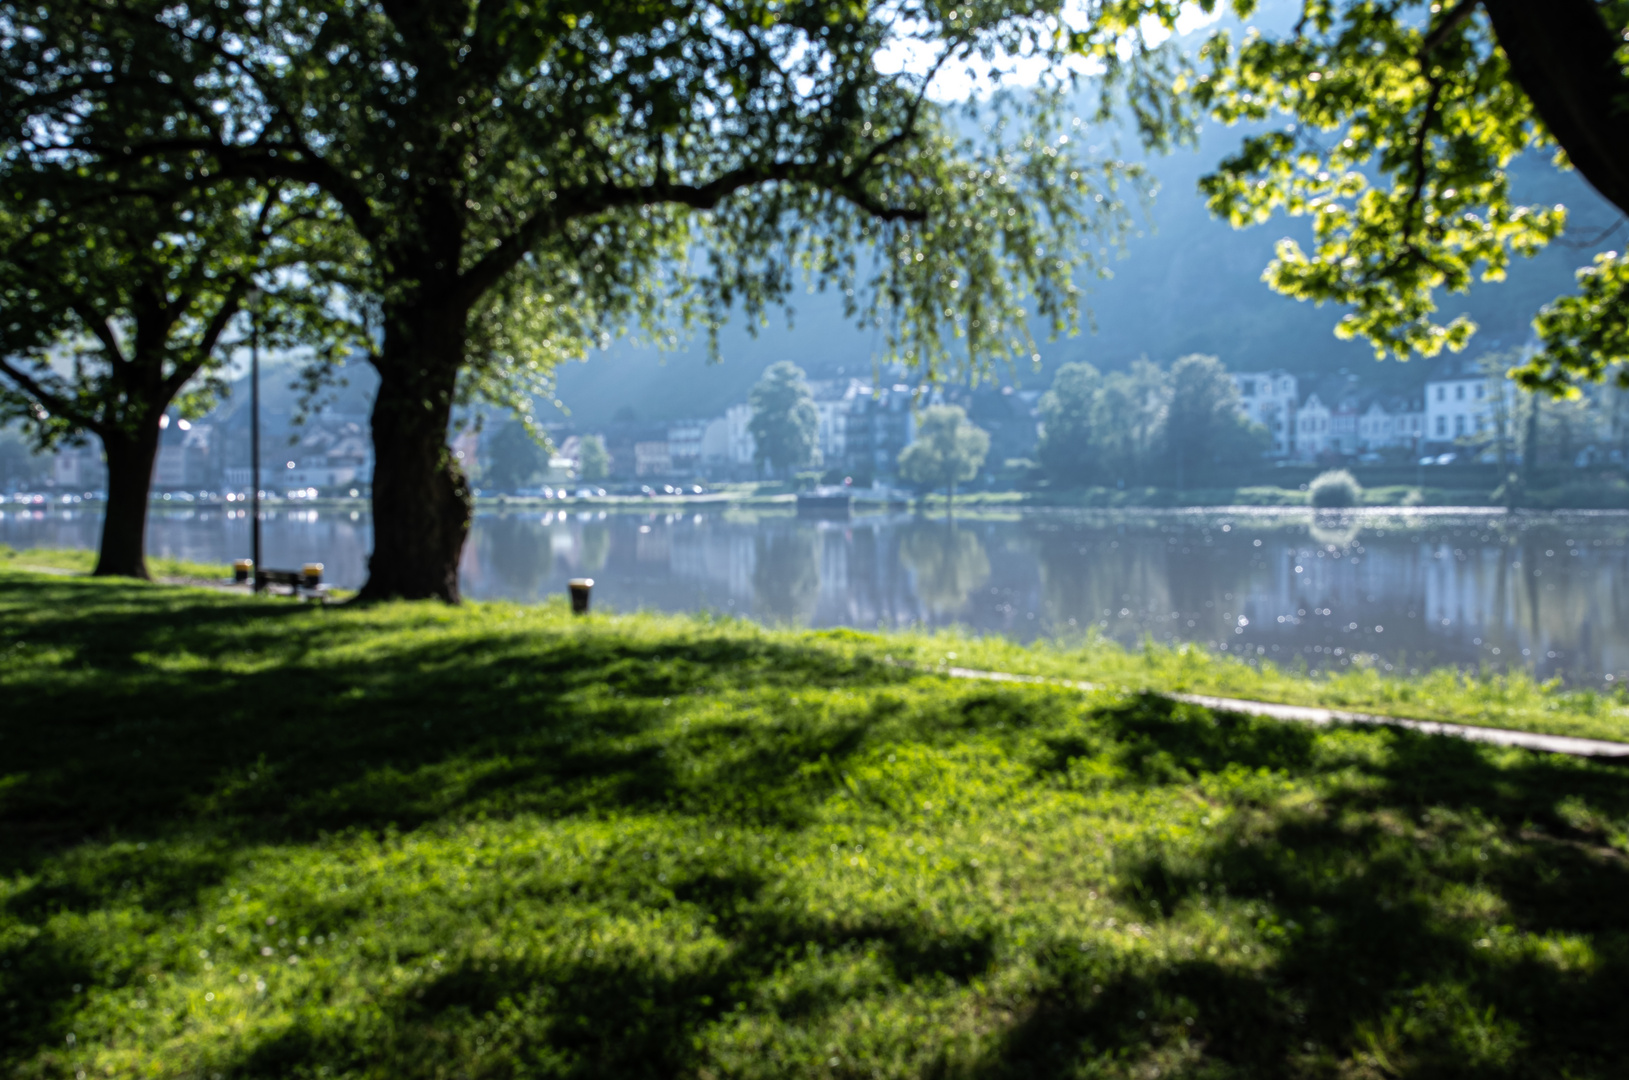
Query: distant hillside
[{"x": 1187, "y": 283}]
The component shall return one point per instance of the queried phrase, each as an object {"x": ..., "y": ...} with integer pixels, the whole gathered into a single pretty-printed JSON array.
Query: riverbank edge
[
  {"x": 1507, "y": 702},
  {"x": 779, "y": 497}
]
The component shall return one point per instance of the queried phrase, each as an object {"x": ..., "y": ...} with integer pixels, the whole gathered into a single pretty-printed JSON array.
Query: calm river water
[{"x": 1547, "y": 592}]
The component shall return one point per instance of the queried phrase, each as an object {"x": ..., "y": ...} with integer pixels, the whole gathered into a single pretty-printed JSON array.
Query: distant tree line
[{"x": 1145, "y": 426}]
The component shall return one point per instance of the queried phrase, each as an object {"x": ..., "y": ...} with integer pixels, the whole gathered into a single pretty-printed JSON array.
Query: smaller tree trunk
[{"x": 129, "y": 483}]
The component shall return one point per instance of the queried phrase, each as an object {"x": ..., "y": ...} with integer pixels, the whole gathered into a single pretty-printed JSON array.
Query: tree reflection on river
[
  {"x": 1411, "y": 588},
  {"x": 948, "y": 562}
]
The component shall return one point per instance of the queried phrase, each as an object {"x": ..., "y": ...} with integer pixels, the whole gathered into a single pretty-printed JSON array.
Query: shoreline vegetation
[{"x": 255, "y": 838}]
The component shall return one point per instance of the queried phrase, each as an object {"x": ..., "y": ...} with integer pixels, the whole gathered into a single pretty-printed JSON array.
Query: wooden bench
[{"x": 306, "y": 581}]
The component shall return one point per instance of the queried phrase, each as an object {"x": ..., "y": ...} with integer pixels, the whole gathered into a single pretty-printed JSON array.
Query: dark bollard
[
  {"x": 580, "y": 588},
  {"x": 241, "y": 569},
  {"x": 312, "y": 573}
]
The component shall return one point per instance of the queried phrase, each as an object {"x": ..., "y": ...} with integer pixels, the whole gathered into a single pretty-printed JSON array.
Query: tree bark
[
  {"x": 129, "y": 483},
  {"x": 421, "y": 500},
  {"x": 1564, "y": 57}
]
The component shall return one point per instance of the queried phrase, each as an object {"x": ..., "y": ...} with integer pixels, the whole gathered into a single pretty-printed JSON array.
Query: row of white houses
[{"x": 1459, "y": 400}]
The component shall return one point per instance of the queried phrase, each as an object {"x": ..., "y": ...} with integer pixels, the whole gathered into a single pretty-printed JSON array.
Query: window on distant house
[
  {"x": 1459, "y": 424},
  {"x": 1479, "y": 389},
  {"x": 1442, "y": 393},
  {"x": 1442, "y": 425},
  {"x": 1459, "y": 392}
]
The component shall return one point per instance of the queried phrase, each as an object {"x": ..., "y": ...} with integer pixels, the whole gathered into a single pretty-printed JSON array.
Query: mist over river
[{"x": 1414, "y": 588}]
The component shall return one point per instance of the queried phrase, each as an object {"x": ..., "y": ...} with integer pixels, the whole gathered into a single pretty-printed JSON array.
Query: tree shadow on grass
[
  {"x": 294, "y": 743},
  {"x": 611, "y": 1014},
  {"x": 1388, "y": 918},
  {"x": 1368, "y": 912}
]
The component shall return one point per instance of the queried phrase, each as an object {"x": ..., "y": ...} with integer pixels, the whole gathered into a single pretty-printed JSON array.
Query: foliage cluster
[
  {"x": 504, "y": 186},
  {"x": 785, "y": 426},
  {"x": 1145, "y": 425},
  {"x": 595, "y": 459},
  {"x": 1404, "y": 122},
  {"x": 1335, "y": 489},
  {"x": 513, "y": 458},
  {"x": 403, "y": 841},
  {"x": 948, "y": 449}
]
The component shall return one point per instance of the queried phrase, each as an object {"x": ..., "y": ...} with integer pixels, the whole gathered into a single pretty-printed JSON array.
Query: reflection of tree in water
[
  {"x": 786, "y": 575},
  {"x": 1086, "y": 573},
  {"x": 949, "y": 563},
  {"x": 1331, "y": 528},
  {"x": 596, "y": 547},
  {"x": 519, "y": 554}
]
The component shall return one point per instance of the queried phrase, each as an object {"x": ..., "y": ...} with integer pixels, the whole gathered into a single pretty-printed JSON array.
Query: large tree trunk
[
  {"x": 124, "y": 524},
  {"x": 1564, "y": 56},
  {"x": 421, "y": 501}
]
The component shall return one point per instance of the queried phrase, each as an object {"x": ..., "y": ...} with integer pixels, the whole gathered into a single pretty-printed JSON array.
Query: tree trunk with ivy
[{"x": 421, "y": 498}]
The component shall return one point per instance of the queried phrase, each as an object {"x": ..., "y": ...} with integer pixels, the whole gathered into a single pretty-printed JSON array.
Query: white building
[
  {"x": 835, "y": 402},
  {"x": 1374, "y": 427},
  {"x": 79, "y": 468},
  {"x": 652, "y": 459},
  {"x": 183, "y": 455},
  {"x": 1399, "y": 422},
  {"x": 1343, "y": 427},
  {"x": 738, "y": 435},
  {"x": 715, "y": 442},
  {"x": 1460, "y": 401},
  {"x": 1408, "y": 424},
  {"x": 1269, "y": 398},
  {"x": 1312, "y": 434},
  {"x": 685, "y": 440}
]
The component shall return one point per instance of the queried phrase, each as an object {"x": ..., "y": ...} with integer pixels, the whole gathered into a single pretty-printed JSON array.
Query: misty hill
[{"x": 1186, "y": 283}]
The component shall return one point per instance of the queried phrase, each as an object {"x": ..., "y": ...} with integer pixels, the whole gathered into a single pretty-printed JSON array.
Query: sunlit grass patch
[
  {"x": 1513, "y": 699},
  {"x": 83, "y": 560},
  {"x": 253, "y": 839}
]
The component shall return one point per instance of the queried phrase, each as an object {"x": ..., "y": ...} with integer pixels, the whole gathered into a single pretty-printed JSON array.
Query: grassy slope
[{"x": 252, "y": 838}]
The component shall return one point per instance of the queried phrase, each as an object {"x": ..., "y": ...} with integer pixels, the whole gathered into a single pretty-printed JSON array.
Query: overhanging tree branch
[
  {"x": 53, "y": 402},
  {"x": 1439, "y": 33},
  {"x": 582, "y": 202}
]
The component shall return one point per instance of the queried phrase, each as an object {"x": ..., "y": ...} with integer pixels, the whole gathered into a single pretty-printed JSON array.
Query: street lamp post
[{"x": 253, "y": 298}]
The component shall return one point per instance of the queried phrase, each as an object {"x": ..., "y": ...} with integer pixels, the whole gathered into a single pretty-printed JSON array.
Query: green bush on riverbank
[{"x": 257, "y": 839}]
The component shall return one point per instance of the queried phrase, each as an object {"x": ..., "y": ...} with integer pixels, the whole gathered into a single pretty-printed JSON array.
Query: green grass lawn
[
  {"x": 83, "y": 560},
  {"x": 251, "y": 838}
]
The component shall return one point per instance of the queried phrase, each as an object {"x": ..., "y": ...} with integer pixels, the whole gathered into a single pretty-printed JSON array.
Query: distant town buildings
[
  {"x": 863, "y": 425},
  {"x": 1459, "y": 400},
  {"x": 1270, "y": 399},
  {"x": 79, "y": 468},
  {"x": 331, "y": 452},
  {"x": 861, "y": 431}
]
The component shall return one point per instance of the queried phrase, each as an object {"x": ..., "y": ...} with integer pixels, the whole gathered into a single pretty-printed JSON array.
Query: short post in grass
[
  {"x": 241, "y": 569},
  {"x": 312, "y": 573},
  {"x": 580, "y": 588}
]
